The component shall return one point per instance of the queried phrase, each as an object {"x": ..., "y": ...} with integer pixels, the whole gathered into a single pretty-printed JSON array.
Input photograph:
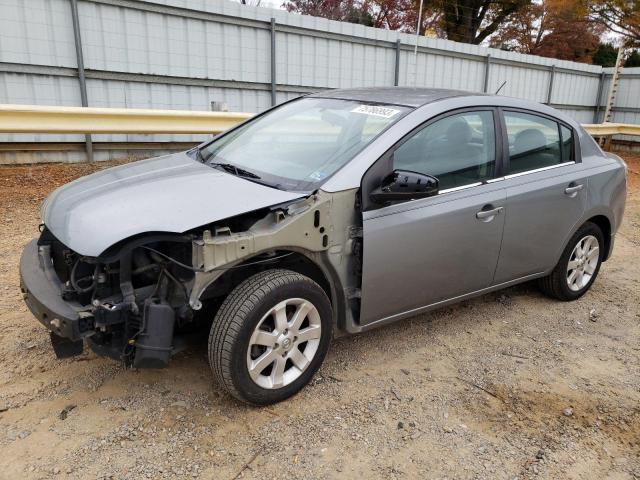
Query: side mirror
[{"x": 403, "y": 185}]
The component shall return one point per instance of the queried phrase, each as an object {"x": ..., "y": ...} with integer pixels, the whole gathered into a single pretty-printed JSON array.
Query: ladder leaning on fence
[{"x": 613, "y": 88}]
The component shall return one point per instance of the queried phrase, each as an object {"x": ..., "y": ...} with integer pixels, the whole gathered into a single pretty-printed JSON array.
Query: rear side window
[
  {"x": 567, "y": 144},
  {"x": 458, "y": 150},
  {"x": 534, "y": 142}
]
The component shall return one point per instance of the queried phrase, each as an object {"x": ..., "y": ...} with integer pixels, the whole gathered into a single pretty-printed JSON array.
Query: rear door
[
  {"x": 420, "y": 252},
  {"x": 546, "y": 193}
]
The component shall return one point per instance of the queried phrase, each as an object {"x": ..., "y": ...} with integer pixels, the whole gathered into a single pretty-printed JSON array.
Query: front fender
[{"x": 304, "y": 226}]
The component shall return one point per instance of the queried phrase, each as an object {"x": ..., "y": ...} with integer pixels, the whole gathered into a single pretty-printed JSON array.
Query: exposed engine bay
[{"x": 135, "y": 300}]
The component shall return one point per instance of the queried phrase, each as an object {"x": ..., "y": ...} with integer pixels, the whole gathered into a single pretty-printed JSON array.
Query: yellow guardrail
[
  {"x": 41, "y": 119},
  {"x": 606, "y": 129}
]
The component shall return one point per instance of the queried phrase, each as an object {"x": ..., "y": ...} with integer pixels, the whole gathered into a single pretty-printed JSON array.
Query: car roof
[{"x": 406, "y": 96}]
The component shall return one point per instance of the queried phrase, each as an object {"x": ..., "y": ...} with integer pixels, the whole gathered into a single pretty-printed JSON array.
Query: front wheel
[
  {"x": 578, "y": 266},
  {"x": 270, "y": 336}
]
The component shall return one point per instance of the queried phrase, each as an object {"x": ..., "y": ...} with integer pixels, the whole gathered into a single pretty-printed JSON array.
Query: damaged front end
[
  {"x": 130, "y": 302},
  {"x": 125, "y": 303}
]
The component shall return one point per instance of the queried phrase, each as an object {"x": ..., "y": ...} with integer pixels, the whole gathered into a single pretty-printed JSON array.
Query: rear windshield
[{"x": 299, "y": 145}]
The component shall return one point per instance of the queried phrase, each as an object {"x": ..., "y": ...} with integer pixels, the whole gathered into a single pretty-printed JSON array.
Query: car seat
[
  {"x": 530, "y": 151},
  {"x": 455, "y": 160}
]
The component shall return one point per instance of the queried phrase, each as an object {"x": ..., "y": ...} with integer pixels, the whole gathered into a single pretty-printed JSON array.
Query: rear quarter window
[{"x": 566, "y": 134}]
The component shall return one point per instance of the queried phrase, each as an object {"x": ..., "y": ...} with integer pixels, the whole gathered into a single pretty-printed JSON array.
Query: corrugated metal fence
[{"x": 186, "y": 54}]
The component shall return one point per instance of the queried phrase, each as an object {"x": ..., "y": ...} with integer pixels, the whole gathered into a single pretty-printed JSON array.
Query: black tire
[
  {"x": 237, "y": 319},
  {"x": 555, "y": 285}
]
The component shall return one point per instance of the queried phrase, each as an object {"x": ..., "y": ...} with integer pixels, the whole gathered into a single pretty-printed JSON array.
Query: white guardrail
[{"x": 87, "y": 120}]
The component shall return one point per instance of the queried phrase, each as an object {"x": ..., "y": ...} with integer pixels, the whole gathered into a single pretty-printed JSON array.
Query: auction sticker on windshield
[{"x": 376, "y": 111}]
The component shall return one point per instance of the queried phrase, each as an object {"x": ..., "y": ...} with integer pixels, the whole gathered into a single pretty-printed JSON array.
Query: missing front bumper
[{"x": 42, "y": 293}]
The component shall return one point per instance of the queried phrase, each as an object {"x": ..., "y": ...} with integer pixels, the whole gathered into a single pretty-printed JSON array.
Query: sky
[{"x": 271, "y": 3}]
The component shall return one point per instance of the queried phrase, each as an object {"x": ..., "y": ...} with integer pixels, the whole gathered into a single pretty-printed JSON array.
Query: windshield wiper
[{"x": 237, "y": 171}]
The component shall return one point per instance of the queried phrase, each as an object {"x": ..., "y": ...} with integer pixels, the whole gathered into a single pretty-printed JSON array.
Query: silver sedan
[{"x": 327, "y": 215}]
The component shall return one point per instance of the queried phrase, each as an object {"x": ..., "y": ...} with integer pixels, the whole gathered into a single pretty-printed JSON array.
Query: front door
[{"x": 421, "y": 252}]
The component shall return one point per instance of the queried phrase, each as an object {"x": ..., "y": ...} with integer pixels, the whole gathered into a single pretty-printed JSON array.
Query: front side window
[
  {"x": 299, "y": 145},
  {"x": 534, "y": 142},
  {"x": 458, "y": 150}
]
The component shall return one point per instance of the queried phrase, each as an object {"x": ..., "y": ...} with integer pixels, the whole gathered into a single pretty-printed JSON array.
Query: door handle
[
  {"x": 573, "y": 190},
  {"x": 488, "y": 214}
]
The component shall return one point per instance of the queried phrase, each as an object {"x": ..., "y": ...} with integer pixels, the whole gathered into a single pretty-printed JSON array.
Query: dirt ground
[{"x": 509, "y": 385}]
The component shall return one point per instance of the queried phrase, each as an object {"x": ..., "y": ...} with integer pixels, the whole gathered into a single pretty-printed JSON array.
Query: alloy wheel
[
  {"x": 284, "y": 343},
  {"x": 583, "y": 263}
]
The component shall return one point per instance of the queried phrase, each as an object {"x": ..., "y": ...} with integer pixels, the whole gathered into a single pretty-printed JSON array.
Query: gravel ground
[{"x": 509, "y": 385}]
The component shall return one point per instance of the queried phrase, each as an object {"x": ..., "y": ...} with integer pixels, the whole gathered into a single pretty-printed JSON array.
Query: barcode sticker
[{"x": 376, "y": 111}]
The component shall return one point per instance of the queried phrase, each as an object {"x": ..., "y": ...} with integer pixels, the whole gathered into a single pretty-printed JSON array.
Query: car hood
[{"x": 173, "y": 193}]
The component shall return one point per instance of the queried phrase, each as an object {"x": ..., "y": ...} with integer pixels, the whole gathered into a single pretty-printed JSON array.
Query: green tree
[
  {"x": 633, "y": 60},
  {"x": 605, "y": 55}
]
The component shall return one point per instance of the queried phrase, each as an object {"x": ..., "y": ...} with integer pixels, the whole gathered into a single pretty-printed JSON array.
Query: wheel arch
[
  {"x": 605, "y": 225},
  {"x": 603, "y": 220},
  {"x": 311, "y": 264}
]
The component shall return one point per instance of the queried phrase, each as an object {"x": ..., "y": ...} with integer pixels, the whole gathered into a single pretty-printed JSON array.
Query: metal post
[
  {"x": 486, "y": 72},
  {"x": 596, "y": 113},
  {"x": 273, "y": 61},
  {"x": 415, "y": 50},
  {"x": 81, "y": 78},
  {"x": 551, "y": 77},
  {"x": 219, "y": 106},
  {"x": 396, "y": 78}
]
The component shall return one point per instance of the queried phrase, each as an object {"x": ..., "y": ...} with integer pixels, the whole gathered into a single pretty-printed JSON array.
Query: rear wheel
[
  {"x": 578, "y": 266},
  {"x": 270, "y": 336}
]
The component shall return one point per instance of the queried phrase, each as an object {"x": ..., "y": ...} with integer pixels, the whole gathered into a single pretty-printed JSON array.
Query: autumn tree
[
  {"x": 331, "y": 9},
  {"x": 470, "y": 21},
  {"x": 402, "y": 15},
  {"x": 551, "y": 28},
  {"x": 621, "y": 17},
  {"x": 473, "y": 21}
]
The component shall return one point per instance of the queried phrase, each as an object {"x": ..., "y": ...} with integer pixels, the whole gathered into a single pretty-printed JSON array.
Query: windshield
[{"x": 300, "y": 144}]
